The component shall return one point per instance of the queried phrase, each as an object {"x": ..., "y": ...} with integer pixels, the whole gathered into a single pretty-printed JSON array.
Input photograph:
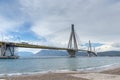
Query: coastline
[{"x": 108, "y": 74}]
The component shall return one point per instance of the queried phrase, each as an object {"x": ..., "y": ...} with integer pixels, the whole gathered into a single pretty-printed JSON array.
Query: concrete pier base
[
  {"x": 72, "y": 53},
  {"x": 7, "y": 51}
]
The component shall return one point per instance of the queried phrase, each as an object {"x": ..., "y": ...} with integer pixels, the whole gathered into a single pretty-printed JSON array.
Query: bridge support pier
[
  {"x": 89, "y": 53},
  {"x": 72, "y": 53},
  {"x": 8, "y": 51}
]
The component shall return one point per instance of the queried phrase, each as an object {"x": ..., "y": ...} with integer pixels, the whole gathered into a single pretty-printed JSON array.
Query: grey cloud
[
  {"x": 97, "y": 20},
  {"x": 117, "y": 45}
]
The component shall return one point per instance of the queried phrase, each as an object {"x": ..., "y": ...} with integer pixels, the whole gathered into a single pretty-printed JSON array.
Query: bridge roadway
[{"x": 27, "y": 45}]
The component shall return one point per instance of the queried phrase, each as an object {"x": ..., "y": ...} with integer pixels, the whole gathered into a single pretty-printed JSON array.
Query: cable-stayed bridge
[{"x": 72, "y": 49}]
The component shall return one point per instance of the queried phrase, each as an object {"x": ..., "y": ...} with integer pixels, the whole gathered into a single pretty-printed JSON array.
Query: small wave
[
  {"x": 10, "y": 74},
  {"x": 34, "y": 73},
  {"x": 100, "y": 68}
]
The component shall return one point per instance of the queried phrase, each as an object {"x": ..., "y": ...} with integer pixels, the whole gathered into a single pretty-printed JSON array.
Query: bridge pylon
[
  {"x": 72, "y": 44},
  {"x": 90, "y": 51}
]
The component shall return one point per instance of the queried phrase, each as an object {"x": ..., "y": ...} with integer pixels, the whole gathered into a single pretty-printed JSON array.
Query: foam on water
[
  {"x": 33, "y": 73},
  {"x": 101, "y": 68}
]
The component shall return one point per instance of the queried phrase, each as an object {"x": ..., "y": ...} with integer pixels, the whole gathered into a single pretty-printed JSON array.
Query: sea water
[{"x": 46, "y": 64}]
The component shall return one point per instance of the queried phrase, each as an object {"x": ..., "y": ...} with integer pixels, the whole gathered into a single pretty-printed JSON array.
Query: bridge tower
[
  {"x": 72, "y": 44},
  {"x": 90, "y": 51},
  {"x": 89, "y": 48}
]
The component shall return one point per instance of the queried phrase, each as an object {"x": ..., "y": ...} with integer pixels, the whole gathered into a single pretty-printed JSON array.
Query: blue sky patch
[{"x": 24, "y": 33}]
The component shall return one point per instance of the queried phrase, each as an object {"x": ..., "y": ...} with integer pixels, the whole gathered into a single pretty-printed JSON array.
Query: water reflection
[{"x": 72, "y": 64}]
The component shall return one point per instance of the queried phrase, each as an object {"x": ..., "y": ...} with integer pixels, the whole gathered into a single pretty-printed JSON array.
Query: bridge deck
[{"x": 26, "y": 45}]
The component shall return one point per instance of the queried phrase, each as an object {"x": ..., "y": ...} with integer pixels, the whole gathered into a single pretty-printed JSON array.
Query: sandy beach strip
[
  {"x": 47, "y": 76},
  {"x": 115, "y": 71},
  {"x": 112, "y": 74}
]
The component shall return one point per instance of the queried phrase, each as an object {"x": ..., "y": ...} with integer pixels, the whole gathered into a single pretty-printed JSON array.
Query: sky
[{"x": 48, "y": 22}]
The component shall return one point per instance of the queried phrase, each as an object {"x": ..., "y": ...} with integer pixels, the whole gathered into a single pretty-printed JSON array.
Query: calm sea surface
[{"x": 44, "y": 64}]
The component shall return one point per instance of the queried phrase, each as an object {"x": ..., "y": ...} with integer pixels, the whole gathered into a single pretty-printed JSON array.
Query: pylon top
[{"x": 72, "y": 26}]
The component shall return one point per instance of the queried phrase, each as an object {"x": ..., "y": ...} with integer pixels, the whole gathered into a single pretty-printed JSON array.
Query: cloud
[
  {"x": 34, "y": 51},
  {"x": 109, "y": 47},
  {"x": 7, "y": 24},
  {"x": 95, "y": 20},
  {"x": 92, "y": 18},
  {"x": 117, "y": 45}
]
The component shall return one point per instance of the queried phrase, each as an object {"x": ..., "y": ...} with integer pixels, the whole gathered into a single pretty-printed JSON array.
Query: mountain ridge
[{"x": 65, "y": 53}]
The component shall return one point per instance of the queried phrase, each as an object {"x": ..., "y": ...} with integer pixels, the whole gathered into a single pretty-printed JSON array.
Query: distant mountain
[
  {"x": 65, "y": 53},
  {"x": 58, "y": 53},
  {"x": 25, "y": 54},
  {"x": 52, "y": 53},
  {"x": 109, "y": 53}
]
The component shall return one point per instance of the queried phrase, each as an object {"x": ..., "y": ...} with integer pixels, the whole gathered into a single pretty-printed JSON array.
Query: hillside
[
  {"x": 57, "y": 53},
  {"x": 65, "y": 53},
  {"x": 109, "y": 53},
  {"x": 25, "y": 54}
]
